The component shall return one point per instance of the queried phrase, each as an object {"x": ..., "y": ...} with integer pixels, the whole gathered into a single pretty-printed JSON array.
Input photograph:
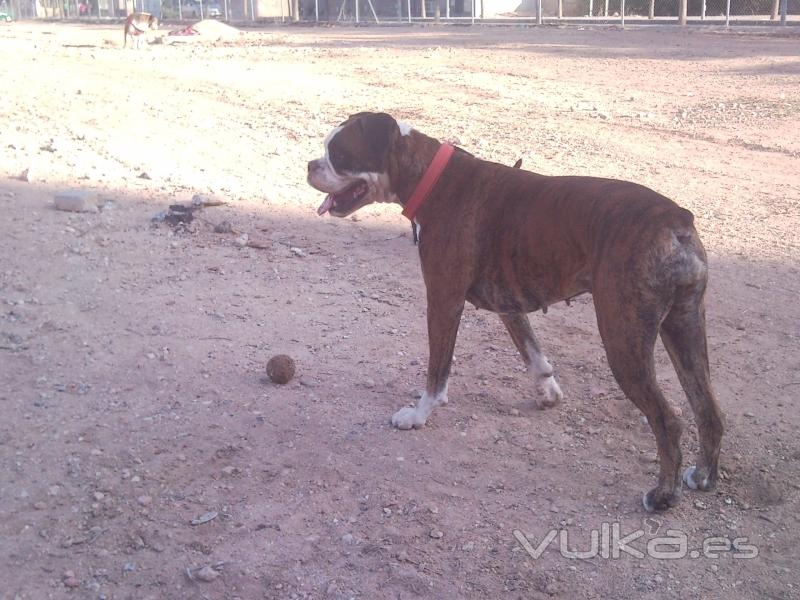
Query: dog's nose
[{"x": 312, "y": 164}]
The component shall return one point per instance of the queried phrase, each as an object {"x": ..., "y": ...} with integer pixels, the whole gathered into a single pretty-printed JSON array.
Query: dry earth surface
[{"x": 132, "y": 353}]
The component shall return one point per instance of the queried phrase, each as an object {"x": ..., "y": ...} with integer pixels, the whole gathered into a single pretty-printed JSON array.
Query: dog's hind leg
[
  {"x": 629, "y": 338},
  {"x": 684, "y": 335},
  {"x": 539, "y": 367}
]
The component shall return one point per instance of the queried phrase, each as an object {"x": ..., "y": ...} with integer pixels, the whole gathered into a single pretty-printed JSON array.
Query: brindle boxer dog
[
  {"x": 512, "y": 242},
  {"x": 137, "y": 25}
]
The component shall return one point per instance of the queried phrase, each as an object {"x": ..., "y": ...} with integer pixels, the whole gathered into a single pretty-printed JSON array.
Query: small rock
[
  {"x": 144, "y": 500},
  {"x": 129, "y": 567},
  {"x": 348, "y": 539},
  {"x": 75, "y": 201},
  {"x": 468, "y": 547},
  {"x": 28, "y": 175},
  {"x": 514, "y": 412},
  {"x": 658, "y": 579},
  {"x": 39, "y": 505},
  {"x": 202, "y": 201},
  {"x": 554, "y": 508},
  {"x": 242, "y": 240},
  {"x": 98, "y": 496},
  {"x": 387, "y": 512},
  {"x": 205, "y": 517},
  {"x": 297, "y": 251},
  {"x": 144, "y": 175},
  {"x": 223, "y": 227},
  {"x": 52, "y": 146},
  {"x": 206, "y": 574},
  {"x": 230, "y": 471},
  {"x": 436, "y": 534},
  {"x": 179, "y": 215},
  {"x": 70, "y": 580},
  {"x": 551, "y": 589},
  {"x": 749, "y": 414},
  {"x": 53, "y": 490}
]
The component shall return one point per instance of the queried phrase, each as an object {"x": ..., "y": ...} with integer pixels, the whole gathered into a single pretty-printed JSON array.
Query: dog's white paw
[
  {"x": 551, "y": 394},
  {"x": 693, "y": 481},
  {"x": 688, "y": 477},
  {"x": 408, "y": 418}
]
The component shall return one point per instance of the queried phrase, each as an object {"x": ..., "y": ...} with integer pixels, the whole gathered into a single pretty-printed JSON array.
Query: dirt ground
[{"x": 132, "y": 354}]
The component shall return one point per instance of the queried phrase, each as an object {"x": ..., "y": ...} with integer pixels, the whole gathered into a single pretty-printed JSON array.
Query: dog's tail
[{"x": 518, "y": 164}]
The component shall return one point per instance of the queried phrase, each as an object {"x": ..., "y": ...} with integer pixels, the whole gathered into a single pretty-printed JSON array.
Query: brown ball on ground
[{"x": 280, "y": 368}]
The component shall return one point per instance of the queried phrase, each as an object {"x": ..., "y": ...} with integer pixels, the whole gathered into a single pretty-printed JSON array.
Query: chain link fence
[
  {"x": 116, "y": 9},
  {"x": 697, "y": 11},
  {"x": 633, "y": 12}
]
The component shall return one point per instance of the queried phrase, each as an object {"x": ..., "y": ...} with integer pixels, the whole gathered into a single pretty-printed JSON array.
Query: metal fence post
[
  {"x": 538, "y": 12},
  {"x": 682, "y": 13},
  {"x": 622, "y": 11},
  {"x": 408, "y": 3},
  {"x": 473, "y": 12},
  {"x": 784, "y": 10},
  {"x": 253, "y": 12},
  {"x": 728, "y": 13},
  {"x": 356, "y": 3},
  {"x": 591, "y": 8},
  {"x": 703, "y": 11}
]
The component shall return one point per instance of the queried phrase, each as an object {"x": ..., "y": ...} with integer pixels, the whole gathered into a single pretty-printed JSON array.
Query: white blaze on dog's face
[{"x": 354, "y": 169}]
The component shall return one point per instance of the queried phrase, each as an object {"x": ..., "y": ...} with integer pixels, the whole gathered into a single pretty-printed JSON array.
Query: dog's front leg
[{"x": 443, "y": 321}]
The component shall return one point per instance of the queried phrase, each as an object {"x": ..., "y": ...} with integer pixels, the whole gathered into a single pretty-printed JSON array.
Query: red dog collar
[{"x": 429, "y": 179}]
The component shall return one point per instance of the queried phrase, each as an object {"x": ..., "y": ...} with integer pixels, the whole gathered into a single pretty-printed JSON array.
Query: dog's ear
[{"x": 379, "y": 131}]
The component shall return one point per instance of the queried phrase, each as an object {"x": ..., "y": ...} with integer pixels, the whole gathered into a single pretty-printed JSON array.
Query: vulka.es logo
[{"x": 608, "y": 542}]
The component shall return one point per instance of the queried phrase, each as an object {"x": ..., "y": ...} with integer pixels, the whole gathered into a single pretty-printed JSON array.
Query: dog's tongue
[{"x": 326, "y": 205}]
